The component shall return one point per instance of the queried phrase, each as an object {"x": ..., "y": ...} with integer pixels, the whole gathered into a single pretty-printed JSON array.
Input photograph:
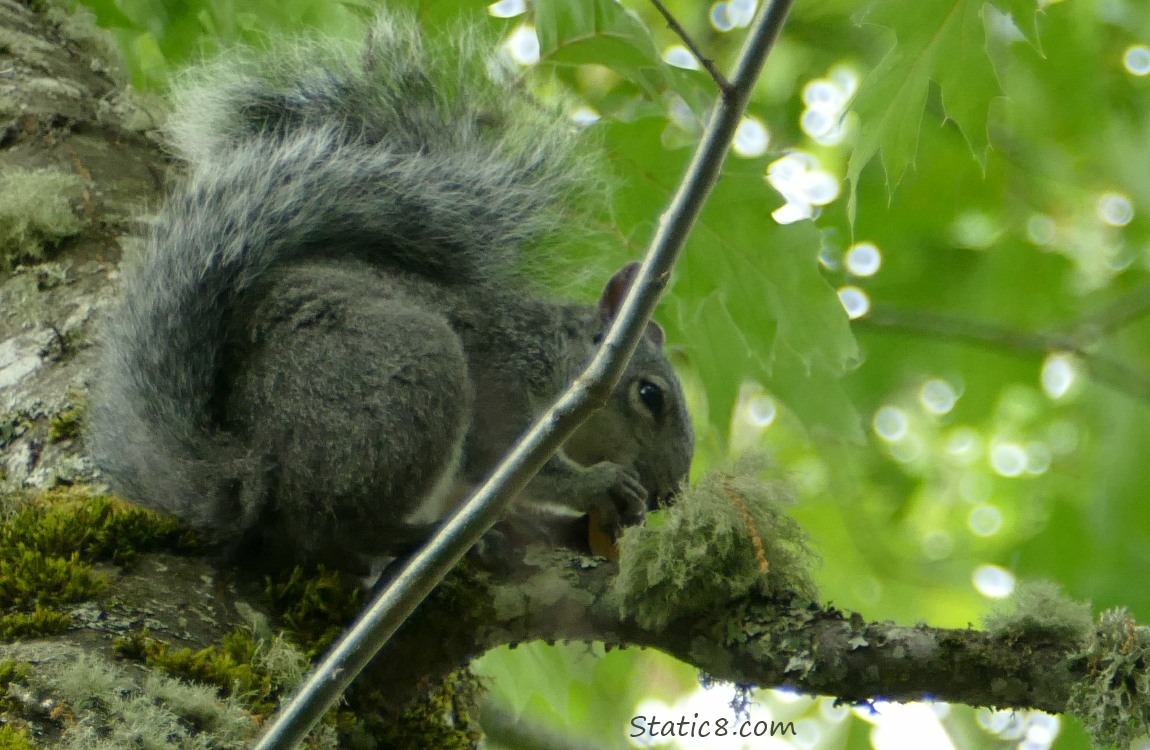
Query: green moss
[
  {"x": 134, "y": 645},
  {"x": 63, "y": 522},
  {"x": 13, "y": 671},
  {"x": 36, "y": 212},
  {"x": 315, "y": 606},
  {"x": 48, "y": 545},
  {"x": 40, "y": 622},
  {"x": 12, "y": 738},
  {"x": 230, "y": 666},
  {"x": 727, "y": 537},
  {"x": 66, "y": 424},
  {"x": 28, "y": 577},
  {"x": 1039, "y": 609},
  {"x": 423, "y": 725}
]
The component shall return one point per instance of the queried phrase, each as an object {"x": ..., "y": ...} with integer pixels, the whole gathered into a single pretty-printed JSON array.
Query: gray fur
[{"x": 322, "y": 346}]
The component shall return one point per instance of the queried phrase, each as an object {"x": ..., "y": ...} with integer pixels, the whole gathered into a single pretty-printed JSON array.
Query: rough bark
[{"x": 64, "y": 110}]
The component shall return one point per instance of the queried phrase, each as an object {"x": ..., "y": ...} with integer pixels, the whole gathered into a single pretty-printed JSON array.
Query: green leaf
[
  {"x": 721, "y": 354},
  {"x": 1024, "y": 13},
  {"x": 967, "y": 78},
  {"x": 940, "y": 40},
  {"x": 818, "y": 399},
  {"x": 603, "y": 32},
  {"x": 565, "y": 666}
]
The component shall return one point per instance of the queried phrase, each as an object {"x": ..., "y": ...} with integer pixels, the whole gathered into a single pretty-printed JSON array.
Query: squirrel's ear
[
  {"x": 613, "y": 295},
  {"x": 616, "y": 290}
]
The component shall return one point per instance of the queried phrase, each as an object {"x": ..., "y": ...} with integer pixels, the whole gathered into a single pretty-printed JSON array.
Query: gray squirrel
[{"x": 327, "y": 340}]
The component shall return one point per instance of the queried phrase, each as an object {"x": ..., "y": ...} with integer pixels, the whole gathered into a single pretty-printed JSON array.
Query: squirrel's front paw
[{"x": 618, "y": 495}]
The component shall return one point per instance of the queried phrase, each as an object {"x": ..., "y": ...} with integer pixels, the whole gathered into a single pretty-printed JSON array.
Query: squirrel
[{"x": 327, "y": 340}]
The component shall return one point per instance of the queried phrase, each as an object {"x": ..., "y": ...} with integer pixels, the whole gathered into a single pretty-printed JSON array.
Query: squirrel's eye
[{"x": 652, "y": 396}]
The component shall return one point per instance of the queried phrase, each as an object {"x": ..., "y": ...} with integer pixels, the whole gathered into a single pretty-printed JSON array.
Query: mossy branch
[
  {"x": 1100, "y": 676},
  {"x": 693, "y": 583},
  {"x": 811, "y": 648}
]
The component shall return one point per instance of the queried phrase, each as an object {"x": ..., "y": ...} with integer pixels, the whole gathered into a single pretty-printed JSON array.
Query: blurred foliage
[{"x": 988, "y": 420}]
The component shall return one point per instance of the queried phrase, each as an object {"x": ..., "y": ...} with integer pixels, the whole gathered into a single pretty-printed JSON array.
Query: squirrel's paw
[{"x": 617, "y": 494}]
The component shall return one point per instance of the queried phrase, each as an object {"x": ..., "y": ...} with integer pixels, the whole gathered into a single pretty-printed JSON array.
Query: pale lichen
[
  {"x": 727, "y": 537},
  {"x": 1113, "y": 699},
  {"x": 36, "y": 212},
  {"x": 1040, "y": 609}
]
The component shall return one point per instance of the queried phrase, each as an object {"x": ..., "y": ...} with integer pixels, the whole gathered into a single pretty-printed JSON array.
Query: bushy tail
[{"x": 406, "y": 152}]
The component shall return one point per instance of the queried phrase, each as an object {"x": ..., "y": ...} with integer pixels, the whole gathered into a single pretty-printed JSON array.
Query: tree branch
[
  {"x": 588, "y": 393},
  {"x": 560, "y": 596},
  {"x": 1118, "y": 375}
]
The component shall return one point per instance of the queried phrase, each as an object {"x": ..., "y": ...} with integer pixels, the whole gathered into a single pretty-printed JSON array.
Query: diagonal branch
[{"x": 424, "y": 570}]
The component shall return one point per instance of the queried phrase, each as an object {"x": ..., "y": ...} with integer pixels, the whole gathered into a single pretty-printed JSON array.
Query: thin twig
[
  {"x": 709, "y": 66},
  {"x": 427, "y": 567}
]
